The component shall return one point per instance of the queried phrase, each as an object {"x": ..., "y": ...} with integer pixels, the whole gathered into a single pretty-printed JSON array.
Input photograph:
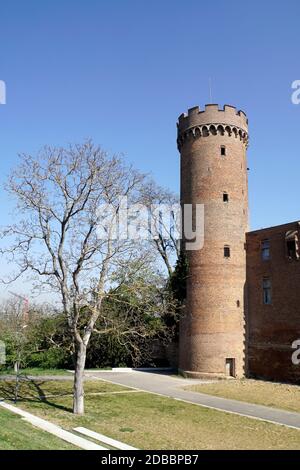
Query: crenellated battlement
[
  {"x": 212, "y": 121},
  {"x": 213, "y": 114}
]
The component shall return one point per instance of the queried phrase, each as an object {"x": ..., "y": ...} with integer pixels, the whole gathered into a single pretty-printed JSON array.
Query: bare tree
[
  {"x": 56, "y": 235},
  {"x": 165, "y": 221}
]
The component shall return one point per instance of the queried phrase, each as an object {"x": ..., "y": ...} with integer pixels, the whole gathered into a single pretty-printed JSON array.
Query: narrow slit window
[
  {"x": 223, "y": 150},
  {"x": 225, "y": 197},
  {"x": 226, "y": 251},
  {"x": 267, "y": 291}
]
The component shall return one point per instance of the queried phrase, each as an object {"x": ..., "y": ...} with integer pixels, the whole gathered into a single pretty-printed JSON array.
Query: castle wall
[{"x": 273, "y": 327}]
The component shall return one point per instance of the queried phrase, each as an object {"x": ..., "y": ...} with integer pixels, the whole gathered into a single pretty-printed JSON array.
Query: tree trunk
[{"x": 78, "y": 396}]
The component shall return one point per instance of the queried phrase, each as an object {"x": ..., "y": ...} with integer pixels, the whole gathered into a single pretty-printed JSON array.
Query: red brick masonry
[
  {"x": 272, "y": 328},
  {"x": 212, "y": 331}
]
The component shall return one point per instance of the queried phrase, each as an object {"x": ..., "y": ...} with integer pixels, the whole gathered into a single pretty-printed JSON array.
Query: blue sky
[{"x": 121, "y": 71}]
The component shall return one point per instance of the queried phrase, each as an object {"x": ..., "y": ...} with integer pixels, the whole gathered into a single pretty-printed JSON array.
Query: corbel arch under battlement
[{"x": 206, "y": 130}]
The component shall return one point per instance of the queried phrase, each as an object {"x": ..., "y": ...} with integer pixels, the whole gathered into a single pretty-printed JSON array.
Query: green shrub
[{"x": 51, "y": 359}]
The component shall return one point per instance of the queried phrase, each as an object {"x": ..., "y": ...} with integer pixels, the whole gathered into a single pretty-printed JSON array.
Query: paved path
[{"x": 171, "y": 386}]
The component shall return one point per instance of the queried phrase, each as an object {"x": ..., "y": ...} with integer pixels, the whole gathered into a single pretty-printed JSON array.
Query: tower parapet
[{"x": 212, "y": 120}]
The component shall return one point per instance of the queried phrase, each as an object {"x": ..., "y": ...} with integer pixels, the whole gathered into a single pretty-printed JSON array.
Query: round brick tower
[{"x": 212, "y": 145}]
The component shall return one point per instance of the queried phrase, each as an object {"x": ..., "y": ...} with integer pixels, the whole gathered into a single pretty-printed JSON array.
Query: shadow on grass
[{"x": 33, "y": 394}]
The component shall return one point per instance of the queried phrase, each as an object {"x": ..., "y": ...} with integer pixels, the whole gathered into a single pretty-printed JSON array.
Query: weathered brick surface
[
  {"x": 273, "y": 328},
  {"x": 213, "y": 327}
]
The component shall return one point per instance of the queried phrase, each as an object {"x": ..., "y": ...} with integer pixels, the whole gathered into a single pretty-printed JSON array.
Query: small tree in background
[
  {"x": 163, "y": 229},
  {"x": 176, "y": 288},
  {"x": 178, "y": 279},
  {"x": 135, "y": 309},
  {"x": 14, "y": 335}
]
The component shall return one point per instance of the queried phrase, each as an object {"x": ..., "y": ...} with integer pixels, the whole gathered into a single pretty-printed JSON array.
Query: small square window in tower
[
  {"x": 292, "y": 244},
  {"x": 226, "y": 251},
  {"x": 223, "y": 150},
  {"x": 265, "y": 250},
  {"x": 267, "y": 291},
  {"x": 225, "y": 197}
]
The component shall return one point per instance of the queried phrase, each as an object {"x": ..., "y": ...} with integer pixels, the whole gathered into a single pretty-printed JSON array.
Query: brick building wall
[{"x": 273, "y": 320}]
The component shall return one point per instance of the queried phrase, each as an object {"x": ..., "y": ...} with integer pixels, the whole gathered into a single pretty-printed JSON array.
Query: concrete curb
[
  {"x": 53, "y": 429},
  {"x": 106, "y": 440}
]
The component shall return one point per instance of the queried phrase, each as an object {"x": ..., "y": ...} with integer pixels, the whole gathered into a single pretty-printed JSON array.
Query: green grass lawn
[
  {"x": 271, "y": 394},
  {"x": 149, "y": 421},
  {"x": 35, "y": 371},
  {"x": 16, "y": 434},
  {"x": 39, "y": 389}
]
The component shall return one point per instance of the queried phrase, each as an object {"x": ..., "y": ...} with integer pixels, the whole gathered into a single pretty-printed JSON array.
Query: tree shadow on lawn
[{"x": 7, "y": 392}]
